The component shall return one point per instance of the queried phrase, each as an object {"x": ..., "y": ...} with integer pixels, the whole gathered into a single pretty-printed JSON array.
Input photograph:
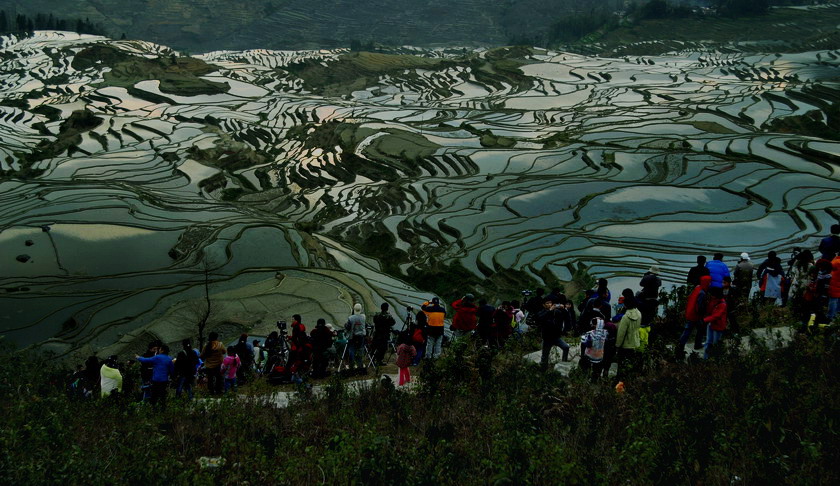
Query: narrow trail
[{"x": 773, "y": 337}]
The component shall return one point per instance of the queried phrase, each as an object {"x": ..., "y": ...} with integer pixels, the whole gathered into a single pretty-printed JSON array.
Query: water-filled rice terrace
[{"x": 295, "y": 181}]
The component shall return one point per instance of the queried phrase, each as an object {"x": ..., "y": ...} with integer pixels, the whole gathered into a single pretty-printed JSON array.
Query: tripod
[
  {"x": 345, "y": 352},
  {"x": 392, "y": 347}
]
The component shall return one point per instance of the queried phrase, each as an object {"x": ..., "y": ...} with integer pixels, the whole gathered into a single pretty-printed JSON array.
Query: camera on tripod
[
  {"x": 527, "y": 293},
  {"x": 282, "y": 326}
]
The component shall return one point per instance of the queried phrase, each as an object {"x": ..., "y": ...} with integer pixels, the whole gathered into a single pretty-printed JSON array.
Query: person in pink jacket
[
  {"x": 230, "y": 366},
  {"x": 405, "y": 356}
]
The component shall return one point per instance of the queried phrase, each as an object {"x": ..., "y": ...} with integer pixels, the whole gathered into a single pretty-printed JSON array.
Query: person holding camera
[
  {"x": 435, "y": 314},
  {"x": 465, "y": 320}
]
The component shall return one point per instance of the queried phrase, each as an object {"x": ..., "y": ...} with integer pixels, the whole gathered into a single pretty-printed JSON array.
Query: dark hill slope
[{"x": 204, "y": 25}]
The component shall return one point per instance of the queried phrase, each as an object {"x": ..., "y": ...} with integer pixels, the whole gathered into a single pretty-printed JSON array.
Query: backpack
[
  {"x": 644, "y": 335},
  {"x": 595, "y": 352}
]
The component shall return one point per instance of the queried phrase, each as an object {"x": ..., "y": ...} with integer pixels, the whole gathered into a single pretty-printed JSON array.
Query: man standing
[
  {"x": 245, "y": 351},
  {"x": 162, "y": 370},
  {"x": 465, "y": 319},
  {"x": 186, "y": 364},
  {"x": 434, "y": 330},
  {"x": 213, "y": 355},
  {"x": 355, "y": 327},
  {"x": 830, "y": 245},
  {"x": 146, "y": 370},
  {"x": 322, "y": 340},
  {"x": 485, "y": 320},
  {"x": 743, "y": 272},
  {"x": 551, "y": 321},
  {"x": 695, "y": 311},
  {"x": 717, "y": 270},
  {"x": 715, "y": 318},
  {"x": 648, "y": 298},
  {"x": 697, "y": 271},
  {"x": 383, "y": 322}
]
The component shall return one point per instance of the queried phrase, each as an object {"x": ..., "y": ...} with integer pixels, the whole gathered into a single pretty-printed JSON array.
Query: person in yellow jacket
[
  {"x": 110, "y": 378},
  {"x": 435, "y": 313},
  {"x": 627, "y": 337},
  {"x": 213, "y": 355}
]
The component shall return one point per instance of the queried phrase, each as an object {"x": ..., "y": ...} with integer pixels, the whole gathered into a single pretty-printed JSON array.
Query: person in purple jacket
[
  {"x": 717, "y": 270},
  {"x": 162, "y": 371}
]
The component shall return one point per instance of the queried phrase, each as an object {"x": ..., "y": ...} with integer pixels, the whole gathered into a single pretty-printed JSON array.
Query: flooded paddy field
[{"x": 289, "y": 180}]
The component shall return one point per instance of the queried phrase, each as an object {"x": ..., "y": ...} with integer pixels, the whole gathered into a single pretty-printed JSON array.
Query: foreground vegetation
[{"x": 766, "y": 417}]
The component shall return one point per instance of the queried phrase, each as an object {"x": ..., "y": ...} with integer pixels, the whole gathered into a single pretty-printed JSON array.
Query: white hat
[{"x": 745, "y": 256}]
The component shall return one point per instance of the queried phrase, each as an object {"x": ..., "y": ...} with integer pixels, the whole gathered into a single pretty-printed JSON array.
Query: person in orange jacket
[{"x": 434, "y": 327}]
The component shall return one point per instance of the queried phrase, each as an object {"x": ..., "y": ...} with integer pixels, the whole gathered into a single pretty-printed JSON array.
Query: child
[
  {"x": 405, "y": 355},
  {"x": 593, "y": 344},
  {"x": 230, "y": 365}
]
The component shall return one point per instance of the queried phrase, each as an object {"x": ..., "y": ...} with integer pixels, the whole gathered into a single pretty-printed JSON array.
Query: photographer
[
  {"x": 322, "y": 340},
  {"x": 435, "y": 314},
  {"x": 383, "y": 322},
  {"x": 356, "y": 333},
  {"x": 465, "y": 320}
]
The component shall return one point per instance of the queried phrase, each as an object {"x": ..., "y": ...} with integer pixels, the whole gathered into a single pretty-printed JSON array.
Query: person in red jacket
[
  {"x": 695, "y": 311},
  {"x": 502, "y": 327},
  {"x": 834, "y": 289},
  {"x": 465, "y": 319},
  {"x": 715, "y": 318}
]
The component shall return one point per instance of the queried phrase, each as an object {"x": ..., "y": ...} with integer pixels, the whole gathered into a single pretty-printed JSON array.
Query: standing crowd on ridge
[{"x": 604, "y": 332}]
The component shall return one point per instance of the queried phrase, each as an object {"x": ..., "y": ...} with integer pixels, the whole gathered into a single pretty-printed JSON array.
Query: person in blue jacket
[
  {"x": 717, "y": 270},
  {"x": 162, "y": 371}
]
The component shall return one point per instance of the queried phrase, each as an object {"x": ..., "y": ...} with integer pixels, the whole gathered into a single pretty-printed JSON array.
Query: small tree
[
  {"x": 207, "y": 305},
  {"x": 200, "y": 312}
]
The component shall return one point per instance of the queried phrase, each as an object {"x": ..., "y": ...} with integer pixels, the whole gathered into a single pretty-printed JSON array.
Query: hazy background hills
[{"x": 204, "y": 25}]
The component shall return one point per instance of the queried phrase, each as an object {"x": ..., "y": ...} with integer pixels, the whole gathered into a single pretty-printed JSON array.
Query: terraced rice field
[{"x": 306, "y": 196}]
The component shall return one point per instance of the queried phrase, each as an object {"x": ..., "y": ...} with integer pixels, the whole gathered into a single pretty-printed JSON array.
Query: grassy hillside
[{"x": 477, "y": 417}]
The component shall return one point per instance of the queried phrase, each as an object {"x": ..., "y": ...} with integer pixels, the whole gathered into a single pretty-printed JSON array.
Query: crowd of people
[{"x": 605, "y": 333}]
